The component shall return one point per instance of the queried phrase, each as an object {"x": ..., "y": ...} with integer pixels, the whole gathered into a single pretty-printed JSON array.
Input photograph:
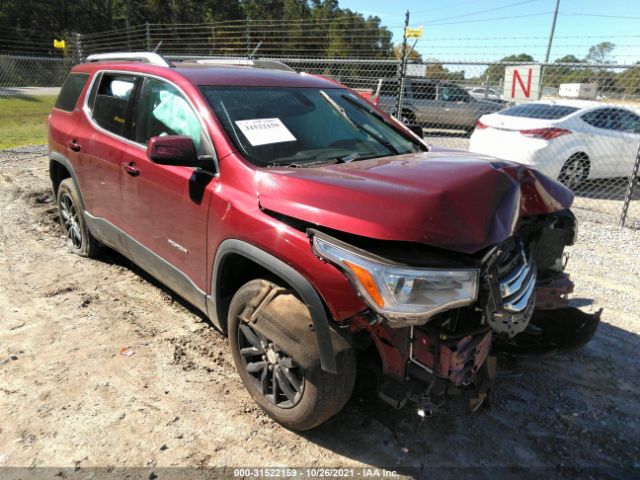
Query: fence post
[
  {"x": 79, "y": 55},
  {"x": 248, "y": 35},
  {"x": 630, "y": 187},
  {"x": 148, "y": 35},
  {"x": 403, "y": 69}
]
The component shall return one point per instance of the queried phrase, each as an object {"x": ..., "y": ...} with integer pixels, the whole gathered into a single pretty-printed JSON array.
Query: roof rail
[
  {"x": 146, "y": 57},
  {"x": 266, "y": 64}
]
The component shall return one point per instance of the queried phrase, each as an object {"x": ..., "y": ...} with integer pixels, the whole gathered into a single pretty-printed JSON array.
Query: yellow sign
[
  {"x": 58, "y": 44},
  {"x": 414, "y": 32}
]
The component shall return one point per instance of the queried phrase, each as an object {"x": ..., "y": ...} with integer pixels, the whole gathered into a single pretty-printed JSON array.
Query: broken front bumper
[{"x": 551, "y": 331}]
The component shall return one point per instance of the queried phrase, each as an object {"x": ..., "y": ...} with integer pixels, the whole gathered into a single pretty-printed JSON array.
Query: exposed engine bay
[{"x": 521, "y": 307}]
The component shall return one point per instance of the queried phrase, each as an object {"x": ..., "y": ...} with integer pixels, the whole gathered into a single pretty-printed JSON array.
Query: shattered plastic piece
[
  {"x": 126, "y": 352},
  {"x": 552, "y": 331}
]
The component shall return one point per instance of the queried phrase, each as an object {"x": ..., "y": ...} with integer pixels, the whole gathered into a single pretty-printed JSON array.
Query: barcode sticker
[{"x": 263, "y": 131}]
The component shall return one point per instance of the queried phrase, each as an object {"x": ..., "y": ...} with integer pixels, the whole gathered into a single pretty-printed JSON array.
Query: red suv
[{"x": 318, "y": 233}]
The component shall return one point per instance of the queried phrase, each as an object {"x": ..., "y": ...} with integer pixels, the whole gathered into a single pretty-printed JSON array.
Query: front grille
[{"x": 517, "y": 283}]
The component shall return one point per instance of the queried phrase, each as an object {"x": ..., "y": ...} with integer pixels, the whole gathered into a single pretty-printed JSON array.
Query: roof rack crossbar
[{"x": 146, "y": 57}]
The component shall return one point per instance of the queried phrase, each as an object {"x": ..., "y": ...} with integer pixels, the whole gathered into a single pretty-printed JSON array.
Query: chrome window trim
[{"x": 89, "y": 113}]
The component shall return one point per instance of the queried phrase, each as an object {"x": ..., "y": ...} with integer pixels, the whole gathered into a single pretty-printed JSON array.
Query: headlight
[{"x": 405, "y": 296}]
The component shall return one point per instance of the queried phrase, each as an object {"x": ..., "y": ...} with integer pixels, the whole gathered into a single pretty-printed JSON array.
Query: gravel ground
[{"x": 68, "y": 398}]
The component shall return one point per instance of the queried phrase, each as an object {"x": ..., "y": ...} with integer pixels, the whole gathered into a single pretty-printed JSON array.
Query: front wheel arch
[{"x": 263, "y": 261}]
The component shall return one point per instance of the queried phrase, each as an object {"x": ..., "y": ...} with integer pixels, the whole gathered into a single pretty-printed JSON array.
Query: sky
[{"x": 477, "y": 30}]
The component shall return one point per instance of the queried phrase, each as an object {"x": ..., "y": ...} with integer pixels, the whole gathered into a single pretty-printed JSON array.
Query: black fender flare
[
  {"x": 55, "y": 157},
  {"x": 296, "y": 281}
]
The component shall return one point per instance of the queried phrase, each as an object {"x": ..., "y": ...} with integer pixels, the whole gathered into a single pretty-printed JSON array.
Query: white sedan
[
  {"x": 571, "y": 140},
  {"x": 482, "y": 93}
]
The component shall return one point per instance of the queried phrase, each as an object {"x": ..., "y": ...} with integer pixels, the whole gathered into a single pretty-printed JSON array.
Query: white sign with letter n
[{"x": 522, "y": 82}]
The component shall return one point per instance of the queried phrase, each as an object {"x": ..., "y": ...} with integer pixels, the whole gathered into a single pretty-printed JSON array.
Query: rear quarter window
[
  {"x": 536, "y": 110},
  {"x": 71, "y": 90}
]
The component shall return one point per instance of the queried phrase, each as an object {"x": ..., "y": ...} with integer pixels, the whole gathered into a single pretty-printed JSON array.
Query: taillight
[
  {"x": 480, "y": 125},
  {"x": 545, "y": 133}
]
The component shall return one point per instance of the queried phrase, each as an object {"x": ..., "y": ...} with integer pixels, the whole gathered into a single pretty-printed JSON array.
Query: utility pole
[
  {"x": 553, "y": 30},
  {"x": 403, "y": 67},
  {"x": 546, "y": 57}
]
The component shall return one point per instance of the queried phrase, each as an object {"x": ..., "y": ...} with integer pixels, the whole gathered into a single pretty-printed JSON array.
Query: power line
[
  {"x": 488, "y": 19},
  {"x": 571, "y": 14},
  {"x": 482, "y": 11}
]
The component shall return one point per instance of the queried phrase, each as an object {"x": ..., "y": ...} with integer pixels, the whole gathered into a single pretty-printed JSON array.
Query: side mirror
[
  {"x": 175, "y": 150},
  {"x": 417, "y": 129}
]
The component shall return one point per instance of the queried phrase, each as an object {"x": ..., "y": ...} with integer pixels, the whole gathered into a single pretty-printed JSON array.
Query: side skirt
[{"x": 148, "y": 260}]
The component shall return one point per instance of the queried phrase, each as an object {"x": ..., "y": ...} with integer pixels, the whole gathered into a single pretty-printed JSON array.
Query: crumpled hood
[{"x": 445, "y": 198}]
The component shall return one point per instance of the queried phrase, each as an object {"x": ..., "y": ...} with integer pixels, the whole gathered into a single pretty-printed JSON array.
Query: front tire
[
  {"x": 297, "y": 398},
  {"x": 79, "y": 238}
]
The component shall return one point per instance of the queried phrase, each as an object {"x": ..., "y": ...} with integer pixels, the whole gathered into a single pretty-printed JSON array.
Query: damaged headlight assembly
[{"x": 403, "y": 295}]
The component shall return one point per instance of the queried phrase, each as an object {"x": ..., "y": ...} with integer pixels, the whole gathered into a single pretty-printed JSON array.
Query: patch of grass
[{"x": 22, "y": 120}]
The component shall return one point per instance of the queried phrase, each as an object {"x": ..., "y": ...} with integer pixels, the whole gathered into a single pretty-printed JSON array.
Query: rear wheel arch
[
  {"x": 57, "y": 172},
  {"x": 257, "y": 263},
  {"x": 60, "y": 169}
]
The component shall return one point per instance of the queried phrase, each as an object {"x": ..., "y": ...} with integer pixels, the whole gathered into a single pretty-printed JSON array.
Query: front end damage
[{"x": 520, "y": 308}]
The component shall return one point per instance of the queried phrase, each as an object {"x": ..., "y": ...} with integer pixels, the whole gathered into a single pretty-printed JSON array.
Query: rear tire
[
  {"x": 319, "y": 396},
  {"x": 79, "y": 238},
  {"x": 574, "y": 171}
]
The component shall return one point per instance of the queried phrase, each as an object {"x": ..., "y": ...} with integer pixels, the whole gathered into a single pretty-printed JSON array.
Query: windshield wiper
[
  {"x": 378, "y": 138},
  {"x": 362, "y": 128},
  {"x": 370, "y": 111},
  {"x": 337, "y": 108},
  {"x": 364, "y": 108}
]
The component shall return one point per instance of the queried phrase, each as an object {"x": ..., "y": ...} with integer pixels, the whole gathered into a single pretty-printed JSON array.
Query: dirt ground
[{"x": 68, "y": 398}]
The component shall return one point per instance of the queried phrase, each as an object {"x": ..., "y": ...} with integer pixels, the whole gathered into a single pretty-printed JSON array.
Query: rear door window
[
  {"x": 453, "y": 93},
  {"x": 71, "y": 91},
  {"x": 424, "y": 90},
  {"x": 113, "y": 102}
]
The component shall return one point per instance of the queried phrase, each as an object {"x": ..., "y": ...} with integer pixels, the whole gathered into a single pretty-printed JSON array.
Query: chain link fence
[{"x": 579, "y": 123}]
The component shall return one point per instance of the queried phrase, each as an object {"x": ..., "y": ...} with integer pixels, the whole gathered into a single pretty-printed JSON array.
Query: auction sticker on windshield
[{"x": 263, "y": 131}]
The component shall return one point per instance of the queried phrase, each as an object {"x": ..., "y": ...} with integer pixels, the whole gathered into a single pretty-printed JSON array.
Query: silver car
[{"x": 434, "y": 103}]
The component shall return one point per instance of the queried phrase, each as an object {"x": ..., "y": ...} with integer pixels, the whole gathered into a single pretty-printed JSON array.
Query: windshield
[{"x": 303, "y": 126}]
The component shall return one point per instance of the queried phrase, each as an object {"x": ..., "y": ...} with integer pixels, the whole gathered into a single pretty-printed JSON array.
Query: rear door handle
[
  {"x": 74, "y": 146},
  {"x": 130, "y": 169}
]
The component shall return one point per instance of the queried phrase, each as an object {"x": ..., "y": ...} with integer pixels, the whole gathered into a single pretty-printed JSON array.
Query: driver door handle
[
  {"x": 130, "y": 168},
  {"x": 74, "y": 146}
]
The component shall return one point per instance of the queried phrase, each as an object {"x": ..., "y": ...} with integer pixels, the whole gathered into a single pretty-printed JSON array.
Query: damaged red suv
[{"x": 321, "y": 235}]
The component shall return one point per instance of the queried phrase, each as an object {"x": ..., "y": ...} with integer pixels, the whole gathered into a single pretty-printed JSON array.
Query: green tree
[
  {"x": 437, "y": 71},
  {"x": 628, "y": 82},
  {"x": 414, "y": 56},
  {"x": 495, "y": 73},
  {"x": 601, "y": 53},
  {"x": 554, "y": 76}
]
